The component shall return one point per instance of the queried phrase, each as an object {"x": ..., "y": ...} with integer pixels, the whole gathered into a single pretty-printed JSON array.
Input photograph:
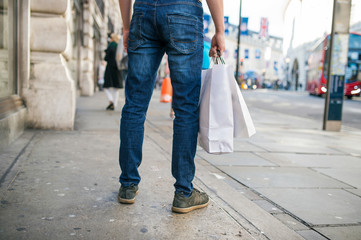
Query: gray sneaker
[
  {"x": 183, "y": 204},
  {"x": 127, "y": 194}
]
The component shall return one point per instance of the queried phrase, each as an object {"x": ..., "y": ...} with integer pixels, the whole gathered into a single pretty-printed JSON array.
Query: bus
[{"x": 317, "y": 67}]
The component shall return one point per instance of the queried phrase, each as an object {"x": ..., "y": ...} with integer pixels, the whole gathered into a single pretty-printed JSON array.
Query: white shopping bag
[
  {"x": 215, "y": 111},
  {"x": 223, "y": 113},
  {"x": 242, "y": 121}
]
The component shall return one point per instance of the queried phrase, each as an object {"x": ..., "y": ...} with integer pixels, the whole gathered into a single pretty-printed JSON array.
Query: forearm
[
  {"x": 126, "y": 9},
  {"x": 216, "y": 8}
]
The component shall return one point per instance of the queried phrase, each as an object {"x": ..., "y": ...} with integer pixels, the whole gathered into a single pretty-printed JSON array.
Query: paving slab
[
  {"x": 317, "y": 206},
  {"x": 351, "y": 176},
  {"x": 242, "y": 145},
  {"x": 257, "y": 217},
  {"x": 354, "y": 150},
  {"x": 290, "y": 222},
  {"x": 355, "y": 191},
  {"x": 296, "y": 148},
  {"x": 10, "y": 155},
  {"x": 341, "y": 233},
  {"x": 312, "y": 160},
  {"x": 285, "y": 177},
  {"x": 235, "y": 159},
  {"x": 311, "y": 235},
  {"x": 266, "y": 205},
  {"x": 279, "y": 120}
]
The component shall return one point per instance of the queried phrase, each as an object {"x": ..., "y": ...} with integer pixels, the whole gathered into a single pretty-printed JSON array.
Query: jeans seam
[
  {"x": 155, "y": 20},
  {"x": 167, "y": 4}
]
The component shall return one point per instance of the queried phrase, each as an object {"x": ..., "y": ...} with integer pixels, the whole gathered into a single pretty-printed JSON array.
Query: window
[
  {"x": 8, "y": 48},
  {"x": 355, "y": 41},
  {"x": 100, "y": 4}
]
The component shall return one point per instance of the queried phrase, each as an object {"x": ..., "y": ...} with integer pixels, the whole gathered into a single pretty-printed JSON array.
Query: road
[{"x": 302, "y": 105}]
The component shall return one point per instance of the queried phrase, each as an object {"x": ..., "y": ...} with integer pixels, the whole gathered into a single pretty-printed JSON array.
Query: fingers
[
  {"x": 212, "y": 52},
  {"x": 217, "y": 43}
]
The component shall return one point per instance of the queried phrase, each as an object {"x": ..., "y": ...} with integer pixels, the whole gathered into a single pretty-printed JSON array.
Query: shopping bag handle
[{"x": 219, "y": 59}]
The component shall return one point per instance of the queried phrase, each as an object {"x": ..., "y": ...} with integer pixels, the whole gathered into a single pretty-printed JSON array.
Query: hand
[
  {"x": 125, "y": 39},
  {"x": 217, "y": 43}
]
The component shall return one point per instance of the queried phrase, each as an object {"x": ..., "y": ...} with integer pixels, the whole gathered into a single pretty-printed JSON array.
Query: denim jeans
[{"x": 174, "y": 27}]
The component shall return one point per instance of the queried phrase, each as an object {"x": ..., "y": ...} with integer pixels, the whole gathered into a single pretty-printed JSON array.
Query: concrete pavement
[{"x": 290, "y": 181}]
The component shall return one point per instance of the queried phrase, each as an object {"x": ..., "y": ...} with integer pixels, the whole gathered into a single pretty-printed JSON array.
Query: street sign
[
  {"x": 263, "y": 31},
  {"x": 244, "y": 26},
  {"x": 226, "y": 25},
  {"x": 336, "y": 98}
]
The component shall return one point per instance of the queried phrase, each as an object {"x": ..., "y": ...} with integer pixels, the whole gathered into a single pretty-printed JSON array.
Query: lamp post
[
  {"x": 239, "y": 39},
  {"x": 287, "y": 74}
]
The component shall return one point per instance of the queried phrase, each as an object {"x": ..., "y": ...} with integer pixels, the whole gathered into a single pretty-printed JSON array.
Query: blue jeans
[{"x": 174, "y": 27}]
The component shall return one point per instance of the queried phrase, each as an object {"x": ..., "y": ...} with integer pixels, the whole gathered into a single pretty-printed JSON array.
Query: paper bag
[
  {"x": 242, "y": 121},
  {"x": 215, "y": 111}
]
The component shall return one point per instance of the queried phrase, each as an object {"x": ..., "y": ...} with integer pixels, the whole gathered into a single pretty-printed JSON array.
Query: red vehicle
[{"x": 317, "y": 67}]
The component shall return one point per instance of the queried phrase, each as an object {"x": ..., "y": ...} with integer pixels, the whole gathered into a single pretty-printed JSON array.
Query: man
[{"x": 174, "y": 27}]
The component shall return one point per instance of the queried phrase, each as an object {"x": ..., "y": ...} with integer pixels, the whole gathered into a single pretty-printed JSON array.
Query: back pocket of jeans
[
  {"x": 135, "y": 31},
  {"x": 183, "y": 32}
]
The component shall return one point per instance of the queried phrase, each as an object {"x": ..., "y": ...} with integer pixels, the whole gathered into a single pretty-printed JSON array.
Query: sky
[{"x": 254, "y": 10}]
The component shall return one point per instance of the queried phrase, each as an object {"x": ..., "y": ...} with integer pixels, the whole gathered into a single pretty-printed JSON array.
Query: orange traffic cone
[{"x": 166, "y": 91}]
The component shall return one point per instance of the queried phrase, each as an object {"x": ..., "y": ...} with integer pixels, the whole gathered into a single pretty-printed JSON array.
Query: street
[{"x": 303, "y": 105}]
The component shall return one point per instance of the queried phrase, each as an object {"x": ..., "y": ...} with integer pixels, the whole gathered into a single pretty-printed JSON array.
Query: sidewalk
[{"x": 289, "y": 181}]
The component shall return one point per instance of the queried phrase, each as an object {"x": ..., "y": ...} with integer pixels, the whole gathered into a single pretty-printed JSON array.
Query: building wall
[
  {"x": 13, "y": 113},
  {"x": 50, "y": 94},
  {"x": 264, "y": 65},
  {"x": 56, "y": 58}
]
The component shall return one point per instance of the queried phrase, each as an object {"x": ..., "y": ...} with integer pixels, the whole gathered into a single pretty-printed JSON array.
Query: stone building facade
[
  {"x": 49, "y": 53},
  {"x": 261, "y": 55}
]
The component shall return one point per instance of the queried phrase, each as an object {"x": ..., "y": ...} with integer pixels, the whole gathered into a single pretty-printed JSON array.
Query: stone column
[
  {"x": 87, "y": 76},
  {"x": 50, "y": 95}
]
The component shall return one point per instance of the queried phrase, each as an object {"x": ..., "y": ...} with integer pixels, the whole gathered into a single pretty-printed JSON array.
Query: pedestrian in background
[
  {"x": 112, "y": 78},
  {"x": 174, "y": 27},
  {"x": 101, "y": 71}
]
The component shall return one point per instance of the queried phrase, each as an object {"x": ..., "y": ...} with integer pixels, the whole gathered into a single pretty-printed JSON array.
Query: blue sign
[
  {"x": 244, "y": 26},
  {"x": 206, "y": 22},
  {"x": 226, "y": 25},
  {"x": 235, "y": 54},
  {"x": 246, "y": 53}
]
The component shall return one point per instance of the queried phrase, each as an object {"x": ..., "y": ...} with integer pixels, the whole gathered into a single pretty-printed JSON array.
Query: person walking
[
  {"x": 156, "y": 27},
  {"x": 112, "y": 79}
]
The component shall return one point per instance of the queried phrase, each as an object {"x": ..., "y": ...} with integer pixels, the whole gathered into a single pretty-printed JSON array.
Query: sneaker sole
[
  {"x": 127, "y": 201},
  {"x": 189, "y": 209}
]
